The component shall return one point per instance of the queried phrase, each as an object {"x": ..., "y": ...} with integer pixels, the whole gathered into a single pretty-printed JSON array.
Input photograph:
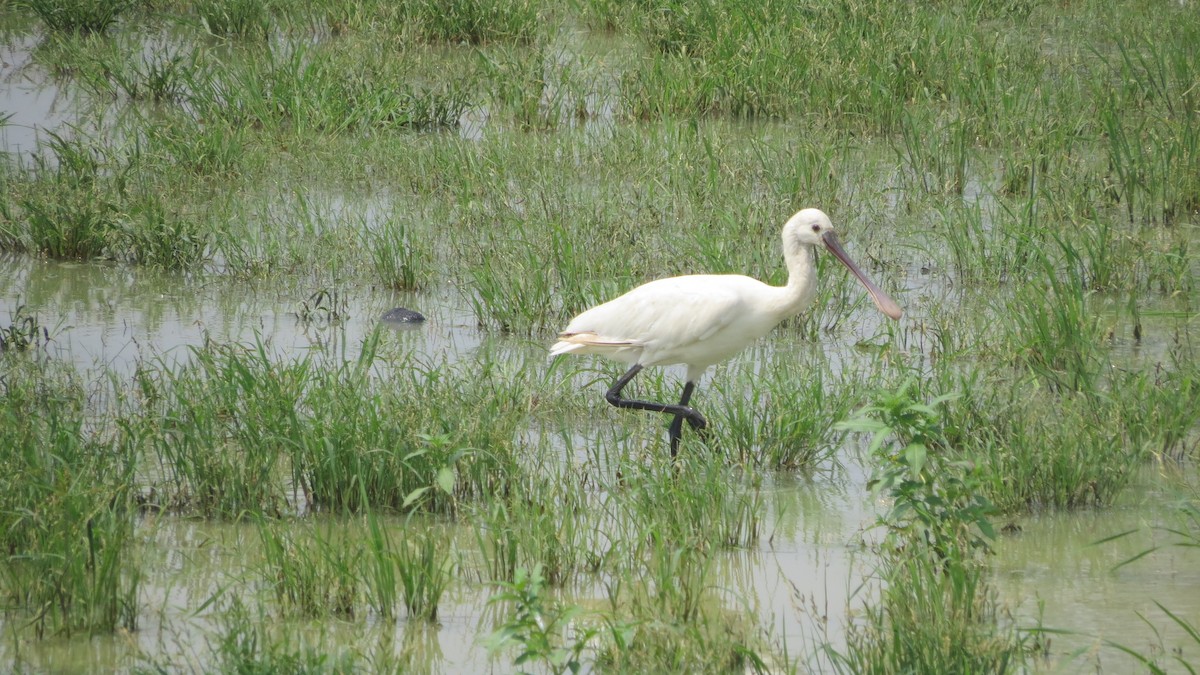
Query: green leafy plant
[
  {"x": 934, "y": 497},
  {"x": 538, "y": 626}
]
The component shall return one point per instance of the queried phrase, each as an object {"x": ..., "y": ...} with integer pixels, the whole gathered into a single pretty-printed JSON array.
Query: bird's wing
[{"x": 661, "y": 315}]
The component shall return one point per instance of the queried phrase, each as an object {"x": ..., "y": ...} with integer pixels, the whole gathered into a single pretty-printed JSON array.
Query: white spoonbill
[{"x": 702, "y": 319}]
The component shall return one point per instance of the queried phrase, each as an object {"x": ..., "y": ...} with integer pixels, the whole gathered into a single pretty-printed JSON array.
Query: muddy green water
[{"x": 804, "y": 581}]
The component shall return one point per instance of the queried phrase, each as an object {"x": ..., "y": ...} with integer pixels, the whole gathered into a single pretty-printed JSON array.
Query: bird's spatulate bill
[{"x": 882, "y": 301}]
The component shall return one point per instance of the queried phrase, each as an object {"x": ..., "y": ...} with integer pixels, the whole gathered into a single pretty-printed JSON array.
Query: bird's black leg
[
  {"x": 695, "y": 418},
  {"x": 681, "y": 411}
]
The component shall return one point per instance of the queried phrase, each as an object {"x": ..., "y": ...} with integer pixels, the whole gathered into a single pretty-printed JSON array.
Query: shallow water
[{"x": 113, "y": 316}]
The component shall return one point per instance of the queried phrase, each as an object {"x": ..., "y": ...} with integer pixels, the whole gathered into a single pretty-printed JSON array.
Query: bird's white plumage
[{"x": 698, "y": 320}]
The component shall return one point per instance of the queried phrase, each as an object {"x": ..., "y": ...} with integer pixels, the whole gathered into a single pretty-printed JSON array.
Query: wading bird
[{"x": 702, "y": 319}]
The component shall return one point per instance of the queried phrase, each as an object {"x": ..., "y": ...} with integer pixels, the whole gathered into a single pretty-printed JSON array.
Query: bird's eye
[{"x": 816, "y": 228}]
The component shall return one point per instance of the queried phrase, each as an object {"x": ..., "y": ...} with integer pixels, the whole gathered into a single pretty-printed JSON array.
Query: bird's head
[
  {"x": 808, "y": 227},
  {"x": 811, "y": 227}
]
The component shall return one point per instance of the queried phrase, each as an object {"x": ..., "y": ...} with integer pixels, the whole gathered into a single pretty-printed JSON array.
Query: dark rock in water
[{"x": 402, "y": 315}]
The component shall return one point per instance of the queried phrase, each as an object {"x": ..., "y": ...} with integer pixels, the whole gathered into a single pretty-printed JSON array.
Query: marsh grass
[
  {"x": 401, "y": 257},
  {"x": 545, "y": 525},
  {"x": 1154, "y": 157},
  {"x": 23, "y": 332},
  {"x": 313, "y": 573},
  {"x": 87, "y": 199},
  {"x": 672, "y": 620},
  {"x": 1055, "y": 333},
  {"x": 713, "y": 505},
  {"x": 204, "y": 149},
  {"x": 936, "y": 612},
  {"x": 71, "y": 206},
  {"x": 780, "y": 413},
  {"x": 302, "y": 90},
  {"x": 932, "y": 619},
  {"x": 537, "y": 272},
  {"x": 245, "y": 19},
  {"x": 244, "y": 643},
  {"x": 227, "y": 427},
  {"x": 217, "y": 427},
  {"x": 65, "y": 508},
  {"x": 77, "y": 16},
  {"x": 415, "y": 569},
  {"x": 476, "y": 22},
  {"x": 426, "y": 566}
]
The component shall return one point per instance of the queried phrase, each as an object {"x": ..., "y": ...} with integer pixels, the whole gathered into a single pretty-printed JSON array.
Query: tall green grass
[
  {"x": 87, "y": 199},
  {"x": 77, "y": 16},
  {"x": 477, "y": 21},
  {"x": 546, "y": 524},
  {"x": 235, "y": 18},
  {"x": 66, "y": 507},
  {"x": 230, "y": 427},
  {"x": 302, "y": 90},
  {"x": 313, "y": 573}
]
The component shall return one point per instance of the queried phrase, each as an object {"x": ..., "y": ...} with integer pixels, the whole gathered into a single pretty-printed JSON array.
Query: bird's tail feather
[{"x": 580, "y": 342}]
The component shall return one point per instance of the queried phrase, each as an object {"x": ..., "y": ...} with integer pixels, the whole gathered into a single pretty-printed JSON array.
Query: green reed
[
  {"x": 477, "y": 22},
  {"x": 227, "y": 427},
  {"x": 250, "y": 19},
  {"x": 668, "y": 616},
  {"x": 780, "y": 412},
  {"x": 712, "y": 504},
  {"x": 402, "y": 259},
  {"x": 217, "y": 427},
  {"x": 1055, "y": 333},
  {"x": 425, "y": 567},
  {"x": 87, "y": 199},
  {"x": 77, "y": 16},
  {"x": 542, "y": 524},
  {"x": 932, "y": 620},
  {"x": 312, "y": 573},
  {"x": 66, "y": 495},
  {"x": 314, "y": 90}
]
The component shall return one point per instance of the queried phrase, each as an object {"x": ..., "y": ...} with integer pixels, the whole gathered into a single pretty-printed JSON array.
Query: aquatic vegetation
[
  {"x": 936, "y": 612},
  {"x": 312, "y": 573},
  {"x": 77, "y": 16},
  {"x": 402, "y": 259},
  {"x": 425, "y": 568},
  {"x": 66, "y": 499},
  {"x": 476, "y": 21},
  {"x": 538, "y": 626},
  {"x": 23, "y": 332},
  {"x": 545, "y": 525},
  {"x": 932, "y": 619},
  {"x": 235, "y": 18},
  {"x": 936, "y": 502}
]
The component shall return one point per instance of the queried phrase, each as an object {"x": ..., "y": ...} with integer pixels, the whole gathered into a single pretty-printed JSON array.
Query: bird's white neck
[{"x": 802, "y": 279}]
